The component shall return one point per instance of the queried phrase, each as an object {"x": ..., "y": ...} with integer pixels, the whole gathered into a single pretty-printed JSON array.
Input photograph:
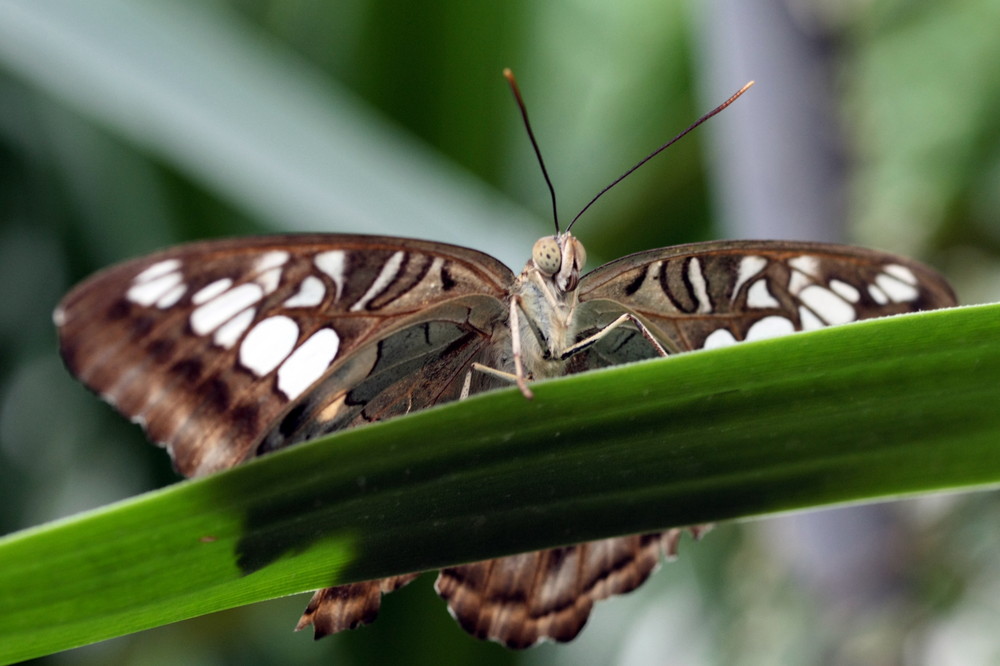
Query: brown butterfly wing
[
  {"x": 708, "y": 295},
  {"x": 334, "y": 609},
  {"x": 222, "y": 347},
  {"x": 548, "y": 595}
]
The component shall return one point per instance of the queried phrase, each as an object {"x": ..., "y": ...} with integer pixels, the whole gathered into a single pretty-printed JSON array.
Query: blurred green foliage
[{"x": 126, "y": 126}]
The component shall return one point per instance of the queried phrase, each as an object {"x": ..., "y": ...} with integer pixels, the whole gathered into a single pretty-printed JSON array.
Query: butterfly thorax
[{"x": 545, "y": 292}]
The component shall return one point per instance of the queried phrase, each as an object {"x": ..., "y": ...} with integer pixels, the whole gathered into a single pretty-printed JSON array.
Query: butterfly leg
[
  {"x": 493, "y": 372},
  {"x": 467, "y": 384},
  {"x": 588, "y": 342},
  {"x": 499, "y": 374},
  {"x": 515, "y": 334},
  {"x": 519, "y": 376}
]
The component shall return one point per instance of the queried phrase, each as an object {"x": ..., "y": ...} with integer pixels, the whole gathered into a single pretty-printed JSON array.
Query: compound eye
[
  {"x": 579, "y": 253},
  {"x": 547, "y": 256}
]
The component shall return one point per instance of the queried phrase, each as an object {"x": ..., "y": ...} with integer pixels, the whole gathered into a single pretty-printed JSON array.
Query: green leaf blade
[{"x": 864, "y": 412}]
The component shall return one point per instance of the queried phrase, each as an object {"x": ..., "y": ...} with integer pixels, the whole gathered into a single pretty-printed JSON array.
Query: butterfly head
[{"x": 560, "y": 259}]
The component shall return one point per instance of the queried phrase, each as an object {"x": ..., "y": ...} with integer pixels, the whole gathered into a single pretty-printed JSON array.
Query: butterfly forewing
[
  {"x": 710, "y": 295},
  {"x": 214, "y": 346}
]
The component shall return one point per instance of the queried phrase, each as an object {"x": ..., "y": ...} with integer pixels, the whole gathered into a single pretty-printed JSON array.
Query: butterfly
[{"x": 226, "y": 350}]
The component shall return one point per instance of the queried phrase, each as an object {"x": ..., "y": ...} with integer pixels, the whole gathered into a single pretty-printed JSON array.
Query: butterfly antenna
[
  {"x": 660, "y": 149},
  {"x": 509, "y": 75}
]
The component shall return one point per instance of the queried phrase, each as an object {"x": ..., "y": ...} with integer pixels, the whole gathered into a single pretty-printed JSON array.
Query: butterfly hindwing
[
  {"x": 523, "y": 599},
  {"x": 417, "y": 367}
]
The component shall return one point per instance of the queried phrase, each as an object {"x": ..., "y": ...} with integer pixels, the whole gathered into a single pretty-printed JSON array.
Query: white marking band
[
  {"x": 269, "y": 260},
  {"x": 697, "y": 279},
  {"x": 210, "y": 291},
  {"x": 148, "y": 292},
  {"x": 308, "y": 362},
  {"x": 769, "y": 327},
  {"x": 845, "y": 291},
  {"x": 895, "y": 289},
  {"x": 827, "y": 305},
  {"x": 268, "y": 344},
  {"x": 209, "y": 316},
  {"x": 269, "y": 280},
  {"x": 809, "y": 321},
  {"x": 170, "y": 298},
  {"x": 758, "y": 296},
  {"x": 310, "y": 294},
  {"x": 877, "y": 294},
  {"x": 334, "y": 264},
  {"x": 901, "y": 272},
  {"x": 229, "y": 333},
  {"x": 158, "y": 269},
  {"x": 385, "y": 277},
  {"x": 719, "y": 338},
  {"x": 749, "y": 266}
]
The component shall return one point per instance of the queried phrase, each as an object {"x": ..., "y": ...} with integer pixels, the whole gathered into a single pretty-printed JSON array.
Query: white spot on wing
[
  {"x": 804, "y": 271},
  {"x": 308, "y": 362},
  {"x": 110, "y": 399},
  {"x": 806, "y": 263},
  {"x": 269, "y": 260},
  {"x": 758, "y": 296},
  {"x": 334, "y": 264},
  {"x": 269, "y": 280},
  {"x": 435, "y": 269},
  {"x": 150, "y": 291},
  {"x": 797, "y": 282},
  {"x": 171, "y": 297},
  {"x": 896, "y": 290},
  {"x": 877, "y": 295},
  {"x": 697, "y": 279},
  {"x": 749, "y": 266},
  {"x": 827, "y": 305},
  {"x": 209, "y": 316},
  {"x": 229, "y": 333},
  {"x": 900, "y": 272},
  {"x": 158, "y": 269},
  {"x": 769, "y": 327},
  {"x": 845, "y": 291},
  {"x": 809, "y": 321},
  {"x": 210, "y": 291},
  {"x": 310, "y": 294},
  {"x": 719, "y": 338},
  {"x": 268, "y": 344},
  {"x": 385, "y": 277}
]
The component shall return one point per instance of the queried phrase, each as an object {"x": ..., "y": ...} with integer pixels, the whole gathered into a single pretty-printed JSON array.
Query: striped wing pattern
[
  {"x": 224, "y": 350},
  {"x": 548, "y": 594},
  {"x": 709, "y": 295}
]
